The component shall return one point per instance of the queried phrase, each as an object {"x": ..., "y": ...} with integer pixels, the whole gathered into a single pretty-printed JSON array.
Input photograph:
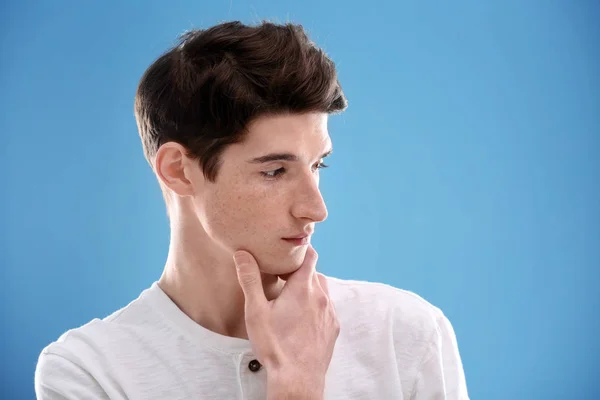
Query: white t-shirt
[{"x": 392, "y": 345}]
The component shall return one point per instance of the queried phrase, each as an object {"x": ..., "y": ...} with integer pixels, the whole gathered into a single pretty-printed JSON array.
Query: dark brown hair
[{"x": 204, "y": 92}]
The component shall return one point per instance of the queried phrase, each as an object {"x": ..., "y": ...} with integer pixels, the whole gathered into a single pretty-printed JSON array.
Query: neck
[{"x": 200, "y": 278}]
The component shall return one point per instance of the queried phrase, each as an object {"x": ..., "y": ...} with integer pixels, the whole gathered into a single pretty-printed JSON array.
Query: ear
[{"x": 172, "y": 166}]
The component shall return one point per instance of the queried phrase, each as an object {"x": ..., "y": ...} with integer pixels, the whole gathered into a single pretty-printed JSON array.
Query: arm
[
  {"x": 441, "y": 374},
  {"x": 58, "y": 378}
]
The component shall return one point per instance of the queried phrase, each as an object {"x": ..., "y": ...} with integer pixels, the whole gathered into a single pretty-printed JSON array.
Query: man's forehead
[
  {"x": 293, "y": 134},
  {"x": 301, "y": 147}
]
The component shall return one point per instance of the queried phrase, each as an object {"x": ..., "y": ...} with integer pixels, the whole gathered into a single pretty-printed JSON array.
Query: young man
[{"x": 233, "y": 121}]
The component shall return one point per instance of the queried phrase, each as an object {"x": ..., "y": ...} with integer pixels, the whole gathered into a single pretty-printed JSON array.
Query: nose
[{"x": 308, "y": 202}]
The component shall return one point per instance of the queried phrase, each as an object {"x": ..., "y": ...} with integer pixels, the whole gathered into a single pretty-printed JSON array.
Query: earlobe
[{"x": 170, "y": 167}]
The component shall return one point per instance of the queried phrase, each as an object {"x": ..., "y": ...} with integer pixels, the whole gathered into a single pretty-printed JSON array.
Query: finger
[
  {"x": 249, "y": 278},
  {"x": 303, "y": 276},
  {"x": 322, "y": 279}
]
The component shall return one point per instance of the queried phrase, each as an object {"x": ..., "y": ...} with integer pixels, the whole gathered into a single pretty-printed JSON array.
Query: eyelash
[{"x": 279, "y": 171}]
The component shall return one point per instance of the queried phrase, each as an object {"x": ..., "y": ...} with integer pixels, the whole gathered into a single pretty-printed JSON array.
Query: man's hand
[{"x": 293, "y": 336}]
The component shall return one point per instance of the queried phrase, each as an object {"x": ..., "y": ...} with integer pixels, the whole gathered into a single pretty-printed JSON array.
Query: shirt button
[{"x": 254, "y": 365}]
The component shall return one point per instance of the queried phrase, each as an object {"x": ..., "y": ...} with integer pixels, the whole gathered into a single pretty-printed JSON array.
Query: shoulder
[
  {"x": 99, "y": 332},
  {"x": 390, "y": 321},
  {"x": 78, "y": 352},
  {"x": 408, "y": 311},
  {"x": 59, "y": 374},
  {"x": 62, "y": 366}
]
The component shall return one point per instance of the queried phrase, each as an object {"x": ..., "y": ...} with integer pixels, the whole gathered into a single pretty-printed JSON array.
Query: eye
[
  {"x": 321, "y": 165},
  {"x": 273, "y": 174}
]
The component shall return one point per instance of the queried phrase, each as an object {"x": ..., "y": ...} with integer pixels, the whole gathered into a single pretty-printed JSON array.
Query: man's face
[{"x": 267, "y": 189}]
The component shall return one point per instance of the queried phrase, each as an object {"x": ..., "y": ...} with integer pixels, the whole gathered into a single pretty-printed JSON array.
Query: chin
[
  {"x": 286, "y": 264},
  {"x": 282, "y": 269}
]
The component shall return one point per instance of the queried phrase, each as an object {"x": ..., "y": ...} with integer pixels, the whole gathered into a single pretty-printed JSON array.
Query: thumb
[{"x": 249, "y": 277}]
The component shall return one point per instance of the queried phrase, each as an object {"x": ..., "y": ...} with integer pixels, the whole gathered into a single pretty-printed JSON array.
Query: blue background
[{"x": 466, "y": 169}]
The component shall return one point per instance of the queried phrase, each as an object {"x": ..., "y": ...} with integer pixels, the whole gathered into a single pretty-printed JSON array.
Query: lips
[
  {"x": 299, "y": 238},
  {"x": 300, "y": 235},
  {"x": 298, "y": 241}
]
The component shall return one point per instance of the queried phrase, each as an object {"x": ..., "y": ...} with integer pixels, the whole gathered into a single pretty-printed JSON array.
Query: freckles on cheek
[
  {"x": 254, "y": 214},
  {"x": 235, "y": 214}
]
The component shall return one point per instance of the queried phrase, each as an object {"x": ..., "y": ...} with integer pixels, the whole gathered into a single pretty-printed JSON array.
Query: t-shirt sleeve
[
  {"x": 441, "y": 374},
  {"x": 58, "y": 378}
]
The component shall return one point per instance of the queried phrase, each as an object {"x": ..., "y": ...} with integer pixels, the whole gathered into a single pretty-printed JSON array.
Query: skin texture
[
  {"x": 247, "y": 210},
  {"x": 242, "y": 210}
]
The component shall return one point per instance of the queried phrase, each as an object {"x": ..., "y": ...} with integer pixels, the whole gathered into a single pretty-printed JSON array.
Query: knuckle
[{"x": 323, "y": 301}]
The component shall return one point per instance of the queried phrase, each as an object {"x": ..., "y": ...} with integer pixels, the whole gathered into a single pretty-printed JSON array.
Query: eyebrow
[{"x": 281, "y": 157}]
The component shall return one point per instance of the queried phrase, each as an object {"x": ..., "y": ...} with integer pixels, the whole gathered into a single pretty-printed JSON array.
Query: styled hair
[{"x": 205, "y": 91}]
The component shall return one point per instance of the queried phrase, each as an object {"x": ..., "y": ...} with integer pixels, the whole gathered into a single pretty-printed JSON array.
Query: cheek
[
  {"x": 241, "y": 217},
  {"x": 253, "y": 219}
]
